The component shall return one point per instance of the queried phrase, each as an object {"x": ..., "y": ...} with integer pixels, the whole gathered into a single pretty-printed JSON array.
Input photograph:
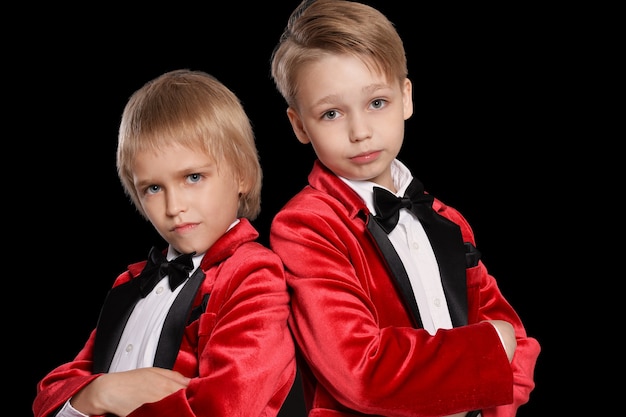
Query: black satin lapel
[
  {"x": 114, "y": 314},
  {"x": 397, "y": 268},
  {"x": 174, "y": 326},
  {"x": 447, "y": 243}
]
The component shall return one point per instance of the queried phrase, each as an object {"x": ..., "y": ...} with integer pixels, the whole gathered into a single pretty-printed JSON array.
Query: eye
[
  {"x": 378, "y": 103},
  {"x": 194, "y": 177},
  {"x": 153, "y": 189},
  {"x": 330, "y": 115}
]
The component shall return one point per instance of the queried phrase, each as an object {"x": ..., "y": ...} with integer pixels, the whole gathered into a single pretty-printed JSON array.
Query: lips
[
  {"x": 181, "y": 228},
  {"x": 366, "y": 157}
]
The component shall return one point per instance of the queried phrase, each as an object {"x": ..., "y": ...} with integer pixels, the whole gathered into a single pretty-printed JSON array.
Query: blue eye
[
  {"x": 194, "y": 177},
  {"x": 153, "y": 189}
]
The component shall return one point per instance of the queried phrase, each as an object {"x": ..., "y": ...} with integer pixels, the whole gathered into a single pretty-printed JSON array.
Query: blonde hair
[
  {"x": 320, "y": 27},
  {"x": 193, "y": 109}
]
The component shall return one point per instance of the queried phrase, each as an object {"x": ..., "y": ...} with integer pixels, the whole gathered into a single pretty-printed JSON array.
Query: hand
[{"x": 120, "y": 393}]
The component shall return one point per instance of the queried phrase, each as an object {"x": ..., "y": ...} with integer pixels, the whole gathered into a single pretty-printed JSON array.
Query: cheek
[
  {"x": 324, "y": 150},
  {"x": 222, "y": 195},
  {"x": 398, "y": 128},
  {"x": 151, "y": 214},
  {"x": 329, "y": 141},
  {"x": 153, "y": 206}
]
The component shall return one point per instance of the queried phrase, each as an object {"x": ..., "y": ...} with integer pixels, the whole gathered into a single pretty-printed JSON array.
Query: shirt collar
[{"x": 400, "y": 174}]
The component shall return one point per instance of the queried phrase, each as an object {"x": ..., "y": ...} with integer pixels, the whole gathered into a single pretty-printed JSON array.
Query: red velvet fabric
[
  {"x": 239, "y": 353},
  {"x": 360, "y": 354}
]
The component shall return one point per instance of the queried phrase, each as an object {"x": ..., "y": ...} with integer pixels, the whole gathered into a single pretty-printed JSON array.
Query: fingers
[{"x": 172, "y": 375}]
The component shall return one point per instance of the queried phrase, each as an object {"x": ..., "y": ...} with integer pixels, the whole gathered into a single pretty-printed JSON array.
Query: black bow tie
[
  {"x": 157, "y": 267},
  {"x": 387, "y": 205}
]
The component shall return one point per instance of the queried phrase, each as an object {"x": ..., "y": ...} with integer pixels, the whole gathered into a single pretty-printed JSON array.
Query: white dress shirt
[{"x": 413, "y": 247}]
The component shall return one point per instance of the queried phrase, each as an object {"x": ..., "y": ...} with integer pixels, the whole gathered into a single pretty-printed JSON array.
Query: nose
[
  {"x": 359, "y": 128},
  {"x": 174, "y": 202}
]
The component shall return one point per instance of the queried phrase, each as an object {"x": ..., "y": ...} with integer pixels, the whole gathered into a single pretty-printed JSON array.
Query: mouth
[
  {"x": 366, "y": 157},
  {"x": 184, "y": 227}
]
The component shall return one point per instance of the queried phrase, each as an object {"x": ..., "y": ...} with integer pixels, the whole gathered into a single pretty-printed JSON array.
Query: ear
[
  {"x": 243, "y": 187},
  {"x": 297, "y": 126},
  {"x": 407, "y": 98}
]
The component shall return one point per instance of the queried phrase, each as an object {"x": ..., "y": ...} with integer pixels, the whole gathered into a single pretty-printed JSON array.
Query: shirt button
[
  {"x": 415, "y": 245},
  {"x": 129, "y": 348},
  {"x": 159, "y": 290},
  {"x": 437, "y": 302}
]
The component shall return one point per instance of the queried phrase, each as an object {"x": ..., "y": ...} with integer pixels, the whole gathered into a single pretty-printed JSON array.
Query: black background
[{"x": 486, "y": 85}]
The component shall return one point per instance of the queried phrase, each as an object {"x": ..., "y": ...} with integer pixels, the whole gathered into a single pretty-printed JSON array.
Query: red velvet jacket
[
  {"x": 239, "y": 351},
  {"x": 360, "y": 352}
]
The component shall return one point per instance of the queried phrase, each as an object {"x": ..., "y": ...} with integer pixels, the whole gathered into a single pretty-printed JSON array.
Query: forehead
[
  {"x": 169, "y": 156},
  {"x": 332, "y": 74}
]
